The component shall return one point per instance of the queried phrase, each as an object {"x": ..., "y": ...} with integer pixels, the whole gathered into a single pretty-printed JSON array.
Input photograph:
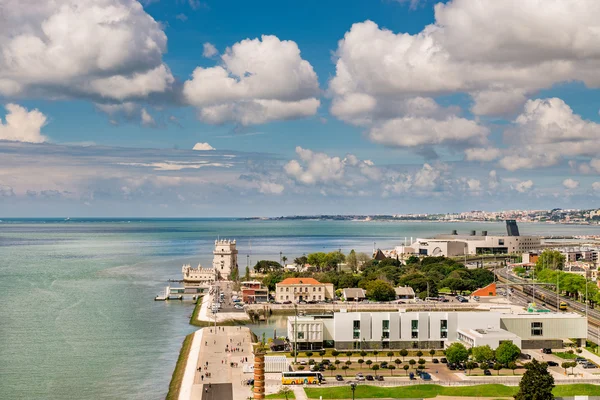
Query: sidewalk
[{"x": 188, "y": 377}]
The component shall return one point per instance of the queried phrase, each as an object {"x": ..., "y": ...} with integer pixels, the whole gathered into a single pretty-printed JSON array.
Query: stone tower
[{"x": 225, "y": 257}]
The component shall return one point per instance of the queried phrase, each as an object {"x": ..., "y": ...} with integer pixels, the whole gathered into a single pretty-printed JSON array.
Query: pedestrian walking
[{"x": 202, "y": 376}]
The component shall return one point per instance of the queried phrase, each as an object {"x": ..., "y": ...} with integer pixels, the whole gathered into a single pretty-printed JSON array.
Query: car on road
[
  {"x": 435, "y": 361},
  {"x": 379, "y": 378},
  {"x": 370, "y": 377},
  {"x": 302, "y": 362},
  {"x": 546, "y": 350},
  {"x": 287, "y": 302},
  {"x": 487, "y": 372},
  {"x": 526, "y": 356},
  {"x": 339, "y": 378},
  {"x": 589, "y": 364},
  {"x": 360, "y": 377},
  {"x": 476, "y": 298},
  {"x": 552, "y": 364},
  {"x": 451, "y": 366},
  {"x": 425, "y": 376},
  {"x": 443, "y": 360}
]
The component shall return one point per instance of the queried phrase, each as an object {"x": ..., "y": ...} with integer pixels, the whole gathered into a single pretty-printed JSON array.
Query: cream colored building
[
  {"x": 197, "y": 276},
  {"x": 302, "y": 289},
  {"x": 225, "y": 257}
]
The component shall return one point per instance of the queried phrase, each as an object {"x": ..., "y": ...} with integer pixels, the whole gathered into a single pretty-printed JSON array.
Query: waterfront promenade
[{"x": 211, "y": 352}]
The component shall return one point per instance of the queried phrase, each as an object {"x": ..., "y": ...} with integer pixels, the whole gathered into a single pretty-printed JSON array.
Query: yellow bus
[
  {"x": 301, "y": 378},
  {"x": 563, "y": 306}
]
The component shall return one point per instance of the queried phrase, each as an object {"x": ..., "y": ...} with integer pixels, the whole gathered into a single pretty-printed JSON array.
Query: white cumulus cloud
[
  {"x": 570, "y": 183},
  {"x": 259, "y": 80},
  {"x": 147, "y": 119},
  {"x": 524, "y": 186},
  {"x": 203, "y": 146},
  {"x": 110, "y": 49},
  {"x": 209, "y": 50},
  {"x": 22, "y": 125}
]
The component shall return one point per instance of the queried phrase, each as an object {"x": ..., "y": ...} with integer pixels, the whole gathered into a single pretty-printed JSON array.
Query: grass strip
[
  {"x": 291, "y": 395},
  {"x": 175, "y": 385},
  {"x": 429, "y": 391}
]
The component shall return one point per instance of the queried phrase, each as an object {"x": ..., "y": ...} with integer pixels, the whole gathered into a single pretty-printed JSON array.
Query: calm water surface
[{"x": 77, "y": 316}]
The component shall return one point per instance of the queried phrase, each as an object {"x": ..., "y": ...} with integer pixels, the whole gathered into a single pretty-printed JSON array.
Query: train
[{"x": 549, "y": 299}]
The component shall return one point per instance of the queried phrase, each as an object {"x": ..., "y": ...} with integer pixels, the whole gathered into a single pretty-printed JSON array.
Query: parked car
[
  {"x": 487, "y": 372},
  {"x": 451, "y": 366},
  {"x": 379, "y": 378},
  {"x": 589, "y": 364},
  {"x": 339, "y": 378},
  {"x": 546, "y": 350},
  {"x": 435, "y": 361},
  {"x": 302, "y": 362},
  {"x": 444, "y": 300},
  {"x": 287, "y": 302},
  {"x": 476, "y": 298},
  {"x": 443, "y": 360},
  {"x": 552, "y": 364},
  {"x": 580, "y": 360},
  {"x": 250, "y": 382},
  {"x": 463, "y": 300},
  {"x": 370, "y": 378},
  {"x": 526, "y": 356},
  {"x": 425, "y": 376},
  {"x": 411, "y": 376},
  {"x": 360, "y": 377}
]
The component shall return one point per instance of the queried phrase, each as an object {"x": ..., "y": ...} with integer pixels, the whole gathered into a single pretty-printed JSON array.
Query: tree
[
  {"x": 335, "y": 354},
  {"x": 379, "y": 290},
  {"x": 361, "y": 259},
  {"x": 285, "y": 391},
  {"x": 352, "y": 261},
  {"x": 470, "y": 365},
  {"x": 412, "y": 362},
  {"x": 391, "y": 368},
  {"x": 397, "y": 361},
  {"x": 345, "y": 369},
  {"x": 349, "y": 354},
  {"x": 300, "y": 261},
  {"x": 419, "y": 353},
  {"x": 498, "y": 367},
  {"x": 422, "y": 361},
  {"x": 284, "y": 259},
  {"x": 309, "y": 354},
  {"x": 412, "y": 260},
  {"x": 301, "y": 367},
  {"x": 322, "y": 354},
  {"x": 332, "y": 368},
  {"x": 403, "y": 353},
  {"x": 456, "y": 353},
  {"x": 405, "y": 367},
  {"x": 360, "y": 362},
  {"x": 247, "y": 275},
  {"x": 432, "y": 352},
  {"x": 348, "y": 363},
  {"x": 482, "y": 354},
  {"x": 573, "y": 365},
  {"x": 337, "y": 362},
  {"x": 390, "y": 354},
  {"x": 507, "y": 352},
  {"x": 537, "y": 383},
  {"x": 550, "y": 259},
  {"x": 512, "y": 366},
  {"x": 375, "y": 368},
  {"x": 363, "y": 353},
  {"x": 375, "y": 352},
  {"x": 565, "y": 365},
  {"x": 369, "y": 362},
  {"x": 266, "y": 266}
]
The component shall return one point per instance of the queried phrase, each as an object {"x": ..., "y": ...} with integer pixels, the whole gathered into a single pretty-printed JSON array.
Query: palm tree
[{"x": 284, "y": 259}]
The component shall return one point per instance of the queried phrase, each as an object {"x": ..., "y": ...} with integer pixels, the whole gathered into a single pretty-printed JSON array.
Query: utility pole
[{"x": 295, "y": 333}]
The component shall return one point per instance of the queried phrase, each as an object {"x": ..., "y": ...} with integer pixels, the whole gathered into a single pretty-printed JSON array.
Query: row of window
[
  {"x": 314, "y": 297},
  {"x": 287, "y": 289},
  {"x": 414, "y": 325}
]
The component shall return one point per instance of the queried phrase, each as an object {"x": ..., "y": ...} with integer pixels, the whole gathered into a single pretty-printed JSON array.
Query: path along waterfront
[{"x": 221, "y": 353}]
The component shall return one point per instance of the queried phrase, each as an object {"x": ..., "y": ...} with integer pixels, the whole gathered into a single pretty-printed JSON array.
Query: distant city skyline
[{"x": 211, "y": 108}]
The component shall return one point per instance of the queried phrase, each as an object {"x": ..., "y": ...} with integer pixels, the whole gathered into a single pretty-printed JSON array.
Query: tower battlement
[{"x": 225, "y": 257}]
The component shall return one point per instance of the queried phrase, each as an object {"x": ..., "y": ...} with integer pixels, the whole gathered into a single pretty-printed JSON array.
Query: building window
[
  {"x": 287, "y": 297},
  {"x": 319, "y": 289},
  {"x": 444, "y": 334},
  {"x": 414, "y": 324},
  {"x": 314, "y": 289},
  {"x": 385, "y": 335},
  {"x": 537, "y": 329},
  {"x": 287, "y": 289},
  {"x": 356, "y": 329},
  {"x": 444, "y": 324},
  {"x": 385, "y": 324},
  {"x": 356, "y": 324},
  {"x": 300, "y": 335}
]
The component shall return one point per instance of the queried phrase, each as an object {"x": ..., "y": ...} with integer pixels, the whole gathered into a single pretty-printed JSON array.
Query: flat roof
[
  {"x": 568, "y": 315},
  {"x": 488, "y": 333}
]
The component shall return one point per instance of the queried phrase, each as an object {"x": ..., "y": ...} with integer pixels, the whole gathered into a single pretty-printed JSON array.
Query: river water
[{"x": 77, "y": 316}]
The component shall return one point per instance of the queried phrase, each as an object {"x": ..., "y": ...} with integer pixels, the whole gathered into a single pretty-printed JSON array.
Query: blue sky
[{"x": 360, "y": 106}]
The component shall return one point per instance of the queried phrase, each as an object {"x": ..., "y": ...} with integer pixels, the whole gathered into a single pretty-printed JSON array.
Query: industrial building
[{"x": 435, "y": 330}]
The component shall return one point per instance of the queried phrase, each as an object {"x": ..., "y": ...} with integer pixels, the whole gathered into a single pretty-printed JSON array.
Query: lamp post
[
  {"x": 353, "y": 388},
  {"x": 295, "y": 333}
]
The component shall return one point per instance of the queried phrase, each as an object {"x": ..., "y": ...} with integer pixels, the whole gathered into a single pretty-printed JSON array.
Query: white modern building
[
  {"x": 435, "y": 330},
  {"x": 225, "y": 257}
]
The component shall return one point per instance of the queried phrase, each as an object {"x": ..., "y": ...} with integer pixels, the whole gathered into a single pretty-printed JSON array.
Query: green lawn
[
  {"x": 427, "y": 391},
  {"x": 177, "y": 377},
  {"x": 279, "y": 396},
  {"x": 566, "y": 356}
]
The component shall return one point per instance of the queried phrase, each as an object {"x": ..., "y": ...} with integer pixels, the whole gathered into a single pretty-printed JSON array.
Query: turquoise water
[{"x": 77, "y": 316}]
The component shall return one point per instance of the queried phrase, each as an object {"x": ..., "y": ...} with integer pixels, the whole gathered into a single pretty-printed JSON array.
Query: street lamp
[
  {"x": 353, "y": 388},
  {"x": 295, "y": 333}
]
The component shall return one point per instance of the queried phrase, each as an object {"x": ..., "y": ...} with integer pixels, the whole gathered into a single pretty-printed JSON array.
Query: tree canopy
[
  {"x": 380, "y": 290},
  {"x": 266, "y": 266},
  {"x": 482, "y": 354},
  {"x": 550, "y": 259},
  {"x": 507, "y": 352},
  {"x": 537, "y": 383},
  {"x": 457, "y": 352}
]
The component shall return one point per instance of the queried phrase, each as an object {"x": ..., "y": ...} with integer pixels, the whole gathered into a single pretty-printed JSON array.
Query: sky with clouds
[{"x": 236, "y": 108}]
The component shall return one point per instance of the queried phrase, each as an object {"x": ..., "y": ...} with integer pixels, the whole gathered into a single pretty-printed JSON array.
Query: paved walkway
[
  {"x": 219, "y": 362},
  {"x": 188, "y": 376}
]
